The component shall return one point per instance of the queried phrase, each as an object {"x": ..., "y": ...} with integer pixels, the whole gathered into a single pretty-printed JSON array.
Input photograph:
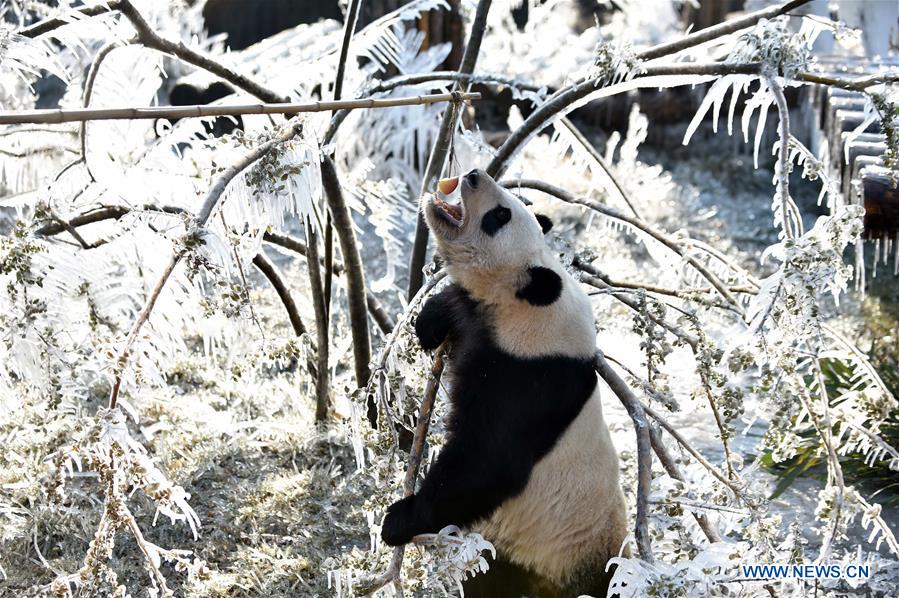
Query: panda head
[{"x": 492, "y": 244}]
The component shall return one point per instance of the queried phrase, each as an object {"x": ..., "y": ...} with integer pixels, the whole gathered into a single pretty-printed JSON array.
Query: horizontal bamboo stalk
[{"x": 55, "y": 116}]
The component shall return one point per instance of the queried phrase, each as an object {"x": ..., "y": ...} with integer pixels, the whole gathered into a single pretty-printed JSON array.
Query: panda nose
[{"x": 472, "y": 178}]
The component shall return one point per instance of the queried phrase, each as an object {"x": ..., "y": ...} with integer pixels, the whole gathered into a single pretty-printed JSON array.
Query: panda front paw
[
  {"x": 399, "y": 523},
  {"x": 431, "y": 329}
]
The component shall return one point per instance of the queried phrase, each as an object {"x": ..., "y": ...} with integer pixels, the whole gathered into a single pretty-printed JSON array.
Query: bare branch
[
  {"x": 644, "y": 453},
  {"x": 58, "y": 115},
  {"x": 88, "y": 93},
  {"x": 48, "y": 25},
  {"x": 322, "y": 382},
  {"x": 355, "y": 274},
  {"x": 440, "y": 150},
  {"x": 149, "y": 38},
  {"x": 271, "y": 273}
]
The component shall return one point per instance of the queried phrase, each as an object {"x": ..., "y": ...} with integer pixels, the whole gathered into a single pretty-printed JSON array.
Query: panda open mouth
[{"x": 454, "y": 214}]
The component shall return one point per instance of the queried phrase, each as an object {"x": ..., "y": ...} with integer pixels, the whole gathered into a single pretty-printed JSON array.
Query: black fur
[
  {"x": 545, "y": 287},
  {"x": 546, "y": 224},
  {"x": 495, "y": 219},
  {"x": 507, "y": 414}
]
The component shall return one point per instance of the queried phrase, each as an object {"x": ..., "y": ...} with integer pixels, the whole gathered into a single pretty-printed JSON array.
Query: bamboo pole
[{"x": 55, "y": 116}]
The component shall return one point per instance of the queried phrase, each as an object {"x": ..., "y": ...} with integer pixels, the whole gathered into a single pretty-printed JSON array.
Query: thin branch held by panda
[
  {"x": 55, "y": 116},
  {"x": 440, "y": 149},
  {"x": 422, "y": 425},
  {"x": 644, "y": 451}
]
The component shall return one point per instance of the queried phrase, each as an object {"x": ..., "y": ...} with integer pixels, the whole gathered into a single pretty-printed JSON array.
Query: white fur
[{"x": 572, "y": 512}]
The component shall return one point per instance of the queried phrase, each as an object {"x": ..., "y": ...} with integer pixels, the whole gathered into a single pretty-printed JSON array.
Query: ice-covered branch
[
  {"x": 209, "y": 203},
  {"x": 605, "y": 210},
  {"x": 271, "y": 273},
  {"x": 48, "y": 25},
  {"x": 149, "y": 38},
  {"x": 54, "y": 116},
  {"x": 644, "y": 451},
  {"x": 322, "y": 331},
  {"x": 392, "y": 574}
]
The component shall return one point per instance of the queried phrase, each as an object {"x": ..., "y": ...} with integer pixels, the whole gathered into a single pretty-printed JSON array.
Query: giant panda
[{"x": 528, "y": 460}]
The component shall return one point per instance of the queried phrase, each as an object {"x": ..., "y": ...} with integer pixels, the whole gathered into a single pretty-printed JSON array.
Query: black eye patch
[{"x": 495, "y": 219}]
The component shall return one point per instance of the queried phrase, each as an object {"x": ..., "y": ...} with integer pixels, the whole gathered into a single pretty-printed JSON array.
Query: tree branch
[
  {"x": 271, "y": 273},
  {"x": 722, "y": 29},
  {"x": 59, "y": 115},
  {"x": 212, "y": 198},
  {"x": 48, "y": 25},
  {"x": 375, "y": 308},
  {"x": 415, "y": 454},
  {"x": 322, "y": 381},
  {"x": 149, "y": 38},
  {"x": 442, "y": 143},
  {"x": 561, "y": 103},
  {"x": 661, "y": 237},
  {"x": 355, "y": 274},
  {"x": 644, "y": 454}
]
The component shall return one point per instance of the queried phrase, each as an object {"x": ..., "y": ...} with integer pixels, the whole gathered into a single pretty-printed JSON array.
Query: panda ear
[
  {"x": 544, "y": 288},
  {"x": 545, "y": 223}
]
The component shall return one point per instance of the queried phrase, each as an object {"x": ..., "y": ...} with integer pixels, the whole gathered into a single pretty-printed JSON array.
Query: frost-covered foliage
[{"x": 116, "y": 282}]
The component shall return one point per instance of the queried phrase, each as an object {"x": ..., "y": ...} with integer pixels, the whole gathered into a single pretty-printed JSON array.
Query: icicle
[
  {"x": 896, "y": 255},
  {"x": 874, "y": 260},
  {"x": 860, "y": 266},
  {"x": 886, "y": 249}
]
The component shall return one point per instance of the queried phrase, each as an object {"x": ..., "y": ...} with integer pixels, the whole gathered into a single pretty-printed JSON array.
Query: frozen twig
[
  {"x": 440, "y": 150},
  {"x": 637, "y": 223},
  {"x": 392, "y": 574},
  {"x": 54, "y": 116},
  {"x": 783, "y": 159},
  {"x": 88, "y": 93},
  {"x": 271, "y": 273},
  {"x": 644, "y": 452},
  {"x": 375, "y": 308},
  {"x": 48, "y": 25},
  {"x": 209, "y": 203},
  {"x": 670, "y": 466},
  {"x": 146, "y": 36},
  {"x": 720, "y": 30},
  {"x": 731, "y": 484},
  {"x": 601, "y": 162}
]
